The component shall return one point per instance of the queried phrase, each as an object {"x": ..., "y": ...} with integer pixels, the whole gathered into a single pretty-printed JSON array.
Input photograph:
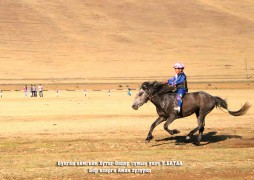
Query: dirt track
[{"x": 36, "y": 133}]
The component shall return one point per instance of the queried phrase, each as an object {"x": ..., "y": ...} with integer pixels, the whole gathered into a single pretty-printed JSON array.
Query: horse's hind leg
[
  {"x": 191, "y": 133},
  {"x": 194, "y": 130},
  {"x": 156, "y": 123},
  {"x": 201, "y": 127}
]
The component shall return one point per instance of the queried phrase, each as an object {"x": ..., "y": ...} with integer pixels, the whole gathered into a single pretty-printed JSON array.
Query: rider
[{"x": 180, "y": 82}]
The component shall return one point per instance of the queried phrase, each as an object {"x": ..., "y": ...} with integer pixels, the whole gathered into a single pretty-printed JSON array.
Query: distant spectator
[
  {"x": 40, "y": 90},
  {"x": 129, "y": 91},
  {"x": 31, "y": 90},
  {"x": 34, "y": 91},
  {"x": 25, "y": 90}
]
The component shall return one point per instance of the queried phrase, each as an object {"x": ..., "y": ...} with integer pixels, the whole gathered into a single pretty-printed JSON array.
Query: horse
[{"x": 163, "y": 97}]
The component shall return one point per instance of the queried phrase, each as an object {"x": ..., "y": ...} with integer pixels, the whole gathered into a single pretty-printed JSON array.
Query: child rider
[{"x": 180, "y": 82}]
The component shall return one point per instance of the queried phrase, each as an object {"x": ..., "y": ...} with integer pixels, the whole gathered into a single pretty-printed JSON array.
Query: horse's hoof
[
  {"x": 148, "y": 139},
  {"x": 175, "y": 131},
  {"x": 197, "y": 143}
]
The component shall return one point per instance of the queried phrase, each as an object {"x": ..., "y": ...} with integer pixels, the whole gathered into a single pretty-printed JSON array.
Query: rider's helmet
[{"x": 178, "y": 66}]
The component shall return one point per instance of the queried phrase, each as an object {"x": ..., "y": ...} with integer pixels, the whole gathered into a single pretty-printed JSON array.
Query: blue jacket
[{"x": 180, "y": 81}]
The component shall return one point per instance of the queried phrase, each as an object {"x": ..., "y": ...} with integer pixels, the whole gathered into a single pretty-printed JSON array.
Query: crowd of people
[{"x": 33, "y": 90}]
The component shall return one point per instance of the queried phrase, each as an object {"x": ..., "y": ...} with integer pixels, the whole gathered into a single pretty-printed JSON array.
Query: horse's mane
[{"x": 157, "y": 87}]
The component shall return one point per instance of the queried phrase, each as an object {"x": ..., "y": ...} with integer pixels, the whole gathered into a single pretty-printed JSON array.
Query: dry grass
[
  {"x": 135, "y": 39},
  {"x": 38, "y": 132}
]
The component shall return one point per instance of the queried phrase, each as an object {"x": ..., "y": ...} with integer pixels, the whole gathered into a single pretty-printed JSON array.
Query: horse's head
[{"x": 142, "y": 97}]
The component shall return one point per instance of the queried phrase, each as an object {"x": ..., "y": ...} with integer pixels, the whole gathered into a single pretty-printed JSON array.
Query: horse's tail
[{"x": 222, "y": 103}]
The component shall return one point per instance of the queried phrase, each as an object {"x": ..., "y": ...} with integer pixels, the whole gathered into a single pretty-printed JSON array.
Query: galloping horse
[{"x": 200, "y": 103}]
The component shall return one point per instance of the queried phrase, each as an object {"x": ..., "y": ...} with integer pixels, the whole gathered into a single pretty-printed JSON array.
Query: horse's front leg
[
  {"x": 156, "y": 123},
  {"x": 167, "y": 123}
]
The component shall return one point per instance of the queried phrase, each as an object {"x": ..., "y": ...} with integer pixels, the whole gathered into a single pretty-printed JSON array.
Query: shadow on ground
[{"x": 207, "y": 138}]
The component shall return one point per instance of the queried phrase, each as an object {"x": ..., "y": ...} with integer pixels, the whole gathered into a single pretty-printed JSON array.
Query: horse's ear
[{"x": 145, "y": 85}]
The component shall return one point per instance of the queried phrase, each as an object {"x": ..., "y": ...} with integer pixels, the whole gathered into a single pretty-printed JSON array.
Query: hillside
[{"x": 129, "y": 38}]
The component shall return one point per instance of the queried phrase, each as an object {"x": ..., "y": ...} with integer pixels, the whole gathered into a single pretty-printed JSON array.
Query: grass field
[{"x": 38, "y": 132}]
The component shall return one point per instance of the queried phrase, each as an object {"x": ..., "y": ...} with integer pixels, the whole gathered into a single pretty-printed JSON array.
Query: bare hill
[{"x": 128, "y": 38}]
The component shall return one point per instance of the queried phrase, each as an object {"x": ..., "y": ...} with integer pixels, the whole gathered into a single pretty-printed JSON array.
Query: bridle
[{"x": 151, "y": 97}]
